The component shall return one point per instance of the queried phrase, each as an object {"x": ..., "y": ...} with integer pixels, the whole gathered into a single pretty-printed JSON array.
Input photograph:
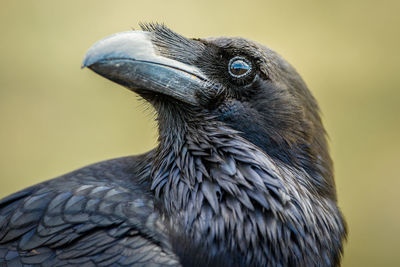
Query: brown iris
[{"x": 239, "y": 67}]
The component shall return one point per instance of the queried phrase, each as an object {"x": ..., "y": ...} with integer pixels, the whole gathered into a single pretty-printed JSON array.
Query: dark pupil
[{"x": 239, "y": 67}]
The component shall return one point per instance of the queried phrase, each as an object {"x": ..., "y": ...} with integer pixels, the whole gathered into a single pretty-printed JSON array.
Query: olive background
[{"x": 55, "y": 117}]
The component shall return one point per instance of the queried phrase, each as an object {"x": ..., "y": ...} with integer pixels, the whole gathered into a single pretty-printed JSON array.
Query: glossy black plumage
[
  {"x": 241, "y": 176},
  {"x": 94, "y": 215}
]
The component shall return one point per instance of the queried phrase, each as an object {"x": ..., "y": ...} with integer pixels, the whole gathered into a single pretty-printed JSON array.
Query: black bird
[{"x": 241, "y": 176}]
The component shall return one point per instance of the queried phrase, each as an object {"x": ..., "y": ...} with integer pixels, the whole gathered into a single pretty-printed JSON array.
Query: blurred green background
[{"x": 55, "y": 117}]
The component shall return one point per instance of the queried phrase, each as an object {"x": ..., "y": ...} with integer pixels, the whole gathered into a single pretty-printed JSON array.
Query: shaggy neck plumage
[{"x": 227, "y": 195}]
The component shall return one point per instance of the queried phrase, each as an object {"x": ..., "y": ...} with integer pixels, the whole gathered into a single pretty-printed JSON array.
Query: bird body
[{"x": 241, "y": 175}]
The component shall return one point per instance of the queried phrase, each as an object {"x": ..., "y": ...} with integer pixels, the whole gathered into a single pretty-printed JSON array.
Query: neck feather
[{"x": 226, "y": 194}]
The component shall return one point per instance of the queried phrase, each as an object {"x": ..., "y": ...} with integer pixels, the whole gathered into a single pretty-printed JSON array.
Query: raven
[{"x": 241, "y": 176}]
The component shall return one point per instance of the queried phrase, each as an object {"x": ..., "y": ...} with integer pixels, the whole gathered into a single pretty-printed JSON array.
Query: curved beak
[{"x": 132, "y": 60}]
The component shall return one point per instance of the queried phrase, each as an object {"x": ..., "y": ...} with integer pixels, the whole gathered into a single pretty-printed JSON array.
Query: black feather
[{"x": 242, "y": 178}]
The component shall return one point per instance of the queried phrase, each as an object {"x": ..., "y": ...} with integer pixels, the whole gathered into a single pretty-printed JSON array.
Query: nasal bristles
[{"x": 173, "y": 45}]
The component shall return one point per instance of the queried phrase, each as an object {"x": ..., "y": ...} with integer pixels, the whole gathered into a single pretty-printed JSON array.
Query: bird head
[{"x": 237, "y": 82}]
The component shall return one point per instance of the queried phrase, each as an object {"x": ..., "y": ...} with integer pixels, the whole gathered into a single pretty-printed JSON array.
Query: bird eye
[{"x": 239, "y": 67}]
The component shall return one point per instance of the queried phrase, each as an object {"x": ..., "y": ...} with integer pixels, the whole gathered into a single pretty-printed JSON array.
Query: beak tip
[
  {"x": 119, "y": 45},
  {"x": 85, "y": 65},
  {"x": 87, "y": 61}
]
